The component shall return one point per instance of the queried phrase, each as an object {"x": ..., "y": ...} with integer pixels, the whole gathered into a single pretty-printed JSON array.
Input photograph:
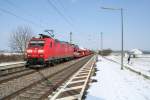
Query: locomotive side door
[{"x": 51, "y": 50}]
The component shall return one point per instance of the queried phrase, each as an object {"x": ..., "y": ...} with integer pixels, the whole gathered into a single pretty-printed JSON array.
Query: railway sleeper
[
  {"x": 35, "y": 92},
  {"x": 26, "y": 98},
  {"x": 31, "y": 95}
]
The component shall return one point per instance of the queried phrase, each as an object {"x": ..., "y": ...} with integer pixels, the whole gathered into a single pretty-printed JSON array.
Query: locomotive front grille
[{"x": 36, "y": 61}]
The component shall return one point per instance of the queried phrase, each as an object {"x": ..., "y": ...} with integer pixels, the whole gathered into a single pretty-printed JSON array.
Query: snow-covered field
[
  {"x": 9, "y": 54},
  {"x": 116, "y": 84},
  {"x": 141, "y": 63},
  {"x": 11, "y": 63}
]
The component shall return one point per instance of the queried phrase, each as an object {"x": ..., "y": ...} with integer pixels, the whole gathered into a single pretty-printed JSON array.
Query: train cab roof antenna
[{"x": 50, "y": 32}]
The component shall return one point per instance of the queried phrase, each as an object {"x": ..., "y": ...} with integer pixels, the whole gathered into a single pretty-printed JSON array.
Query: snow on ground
[
  {"x": 116, "y": 84},
  {"x": 11, "y": 63},
  {"x": 9, "y": 54},
  {"x": 142, "y": 64}
]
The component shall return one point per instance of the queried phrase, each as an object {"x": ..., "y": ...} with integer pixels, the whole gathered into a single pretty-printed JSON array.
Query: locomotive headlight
[
  {"x": 29, "y": 51},
  {"x": 40, "y": 51}
]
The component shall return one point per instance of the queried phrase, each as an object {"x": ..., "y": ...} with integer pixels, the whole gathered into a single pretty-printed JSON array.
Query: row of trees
[{"x": 105, "y": 52}]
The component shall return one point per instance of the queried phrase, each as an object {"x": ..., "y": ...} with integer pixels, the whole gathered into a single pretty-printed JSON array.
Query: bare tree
[{"x": 20, "y": 38}]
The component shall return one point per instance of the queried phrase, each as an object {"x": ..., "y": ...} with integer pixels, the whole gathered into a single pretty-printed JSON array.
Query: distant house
[{"x": 135, "y": 53}]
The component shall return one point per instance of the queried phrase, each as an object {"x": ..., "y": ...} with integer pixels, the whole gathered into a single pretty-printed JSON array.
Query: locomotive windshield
[{"x": 36, "y": 43}]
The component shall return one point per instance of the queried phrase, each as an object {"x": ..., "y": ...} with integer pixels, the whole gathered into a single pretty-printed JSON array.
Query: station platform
[{"x": 116, "y": 84}]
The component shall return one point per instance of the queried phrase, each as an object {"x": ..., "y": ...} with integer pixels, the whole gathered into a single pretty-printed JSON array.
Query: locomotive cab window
[{"x": 36, "y": 43}]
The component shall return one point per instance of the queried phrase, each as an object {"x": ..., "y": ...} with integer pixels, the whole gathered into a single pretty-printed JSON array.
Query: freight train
[{"x": 46, "y": 50}]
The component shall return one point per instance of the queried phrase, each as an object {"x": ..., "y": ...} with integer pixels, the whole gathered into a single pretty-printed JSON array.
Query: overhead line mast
[
  {"x": 101, "y": 44},
  {"x": 70, "y": 37}
]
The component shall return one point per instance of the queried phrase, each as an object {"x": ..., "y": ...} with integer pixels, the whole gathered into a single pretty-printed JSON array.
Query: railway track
[
  {"x": 10, "y": 69},
  {"x": 15, "y": 75},
  {"x": 39, "y": 83},
  {"x": 10, "y": 73},
  {"x": 74, "y": 88}
]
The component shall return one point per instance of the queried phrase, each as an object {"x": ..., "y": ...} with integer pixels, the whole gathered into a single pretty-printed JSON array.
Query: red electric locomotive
[{"x": 47, "y": 50}]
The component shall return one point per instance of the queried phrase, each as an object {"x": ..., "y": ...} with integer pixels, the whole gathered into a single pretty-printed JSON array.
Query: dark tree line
[{"x": 105, "y": 52}]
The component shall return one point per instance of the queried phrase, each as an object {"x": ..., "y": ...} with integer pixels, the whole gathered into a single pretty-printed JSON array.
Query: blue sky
[{"x": 86, "y": 18}]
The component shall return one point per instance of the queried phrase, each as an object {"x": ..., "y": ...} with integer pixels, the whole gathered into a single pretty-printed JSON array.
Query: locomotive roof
[
  {"x": 42, "y": 36},
  {"x": 62, "y": 41},
  {"x": 45, "y": 36}
]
